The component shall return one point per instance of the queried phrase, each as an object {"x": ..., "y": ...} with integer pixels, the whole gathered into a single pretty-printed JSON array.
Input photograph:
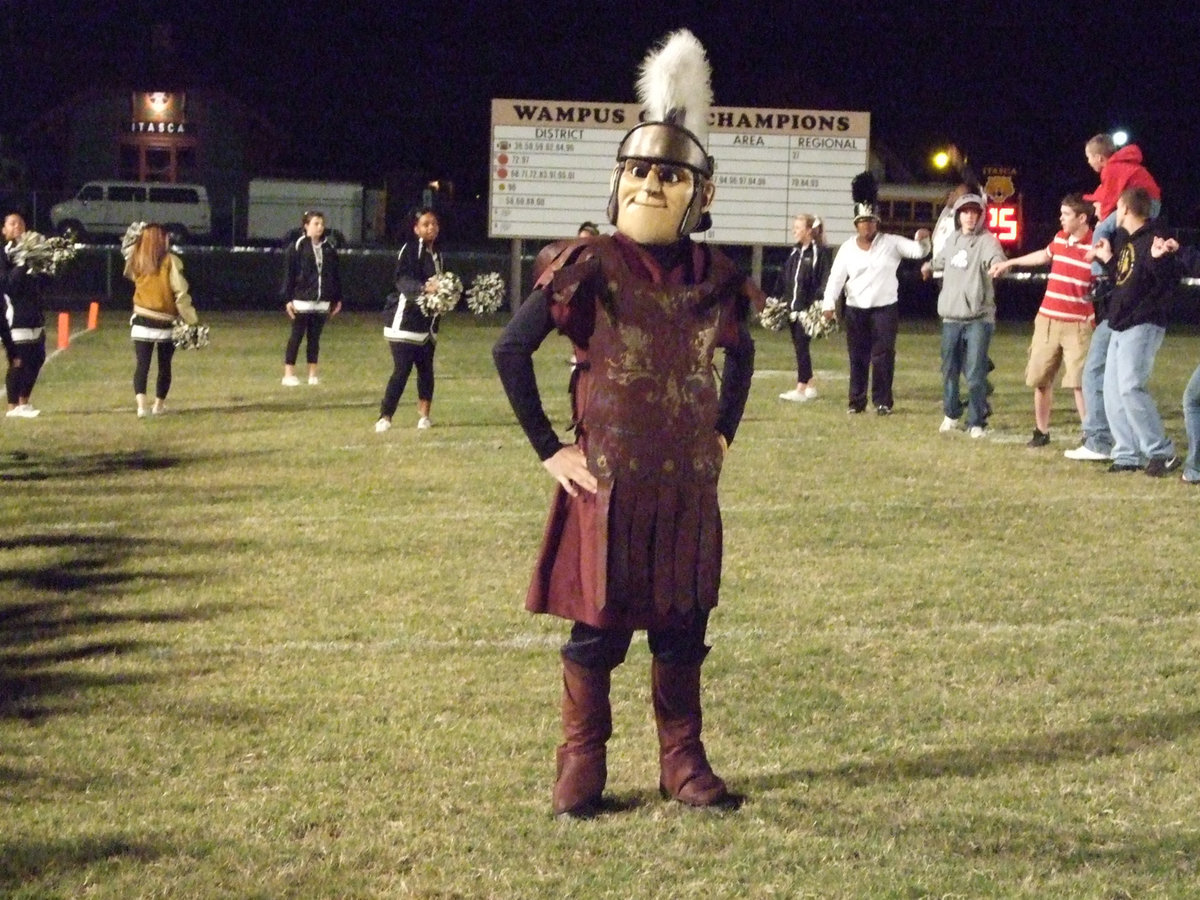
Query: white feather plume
[{"x": 675, "y": 84}]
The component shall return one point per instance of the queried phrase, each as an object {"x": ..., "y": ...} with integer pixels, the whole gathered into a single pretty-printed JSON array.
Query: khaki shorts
[{"x": 1056, "y": 343}]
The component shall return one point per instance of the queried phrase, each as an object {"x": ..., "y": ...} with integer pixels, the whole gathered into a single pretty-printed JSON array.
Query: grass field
[{"x": 253, "y": 649}]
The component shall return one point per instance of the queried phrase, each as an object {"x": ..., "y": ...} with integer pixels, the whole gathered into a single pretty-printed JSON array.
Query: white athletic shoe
[
  {"x": 382, "y": 425},
  {"x": 810, "y": 393},
  {"x": 1083, "y": 453},
  {"x": 424, "y": 423},
  {"x": 793, "y": 396},
  {"x": 313, "y": 379},
  {"x": 290, "y": 381},
  {"x": 977, "y": 432},
  {"x": 24, "y": 411},
  {"x": 142, "y": 413},
  {"x": 949, "y": 424}
]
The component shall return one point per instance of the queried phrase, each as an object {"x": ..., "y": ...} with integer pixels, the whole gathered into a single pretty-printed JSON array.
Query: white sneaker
[
  {"x": 142, "y": 413},
  {"x": 977, "y": 431},
  {"x": 1083, "y": 453},
  {"x": 948, "y": 424},
  {"x": 423, "y": 423},
  {"x": 158, "y": 410},
  {"x": 14, "y": 413},
  {"x": 290, "y": 381},
  {"x": 313, "y": 379},
  {"x": 382, "y": 425},
  {"x": 793, "y": 396},
  {"x": 24, "y": 411},
  {"x": 810, "y": 393}
]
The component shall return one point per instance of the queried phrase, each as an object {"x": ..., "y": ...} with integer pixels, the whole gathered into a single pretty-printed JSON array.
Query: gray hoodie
[{"x": 967, "y": 290}]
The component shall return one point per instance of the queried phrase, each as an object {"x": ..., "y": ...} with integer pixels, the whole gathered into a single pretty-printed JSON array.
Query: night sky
[{"x": 369, "y": 88}]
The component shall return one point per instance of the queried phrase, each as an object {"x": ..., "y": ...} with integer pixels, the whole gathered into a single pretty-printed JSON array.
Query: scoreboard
[{"x": 552, "y": 161}]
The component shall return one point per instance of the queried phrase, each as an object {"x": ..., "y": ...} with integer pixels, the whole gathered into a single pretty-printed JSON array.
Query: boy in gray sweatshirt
[{"x": 967, "y": 305}]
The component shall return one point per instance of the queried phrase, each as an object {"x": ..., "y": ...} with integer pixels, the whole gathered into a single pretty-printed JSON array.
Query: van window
[
  {"x": 92, "y": 192},
  {"x": 173, "y": 195},
  {"x": 126, "y": 194}
]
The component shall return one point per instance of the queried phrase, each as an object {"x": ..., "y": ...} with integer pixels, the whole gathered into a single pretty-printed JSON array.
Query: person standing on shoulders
[
  {"x": 801, "y": 283},
  {"x": 312, "y": 294},
  {"x": 865, "y": 268}
]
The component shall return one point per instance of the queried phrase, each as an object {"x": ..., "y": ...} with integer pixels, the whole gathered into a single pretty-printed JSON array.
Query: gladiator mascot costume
[{"x": 633, "y": 540}]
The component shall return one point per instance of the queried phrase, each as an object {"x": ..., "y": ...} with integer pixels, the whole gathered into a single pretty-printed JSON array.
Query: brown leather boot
[
  {"x": 587, "y": 725},
  {"x": 685, "y": 773}
]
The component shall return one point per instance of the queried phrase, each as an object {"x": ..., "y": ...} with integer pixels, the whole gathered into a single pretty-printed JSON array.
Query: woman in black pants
[
  {"x": 312, "y": 292},
  {"x": 410, "y": 333},
  {"x": 160, "y": 296}
]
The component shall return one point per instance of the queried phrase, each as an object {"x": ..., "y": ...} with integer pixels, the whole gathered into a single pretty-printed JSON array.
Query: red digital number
[{"x": 1002, "y": 221}]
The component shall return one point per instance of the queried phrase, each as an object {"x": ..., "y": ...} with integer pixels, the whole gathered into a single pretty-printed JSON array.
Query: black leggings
[
  {"x": 801, "y": 342},
  {"x": 143, "y": 351},
  {"x": 404, "y": 357},
  {"x": 19, "y": 380},
  {"x": 310, "y": 324},
  {"x": 605, "y": 648}
]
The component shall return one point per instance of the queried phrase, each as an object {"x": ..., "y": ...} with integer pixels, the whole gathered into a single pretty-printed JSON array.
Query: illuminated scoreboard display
[
  {"x": 1004, "y": 208},
  {"x": 1004, "y": 221},
  {"x": 551, "y": 164}
]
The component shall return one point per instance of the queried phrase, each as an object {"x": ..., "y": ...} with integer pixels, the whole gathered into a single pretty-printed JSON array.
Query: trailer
[{"x": 276, "y": 207}]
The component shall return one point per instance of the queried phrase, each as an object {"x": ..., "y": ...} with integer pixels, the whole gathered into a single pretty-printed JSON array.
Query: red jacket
[{"x": 1123, "y": 170}]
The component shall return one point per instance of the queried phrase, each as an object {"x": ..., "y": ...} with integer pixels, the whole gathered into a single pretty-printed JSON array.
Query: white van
[{"x": 107, "y": 208}]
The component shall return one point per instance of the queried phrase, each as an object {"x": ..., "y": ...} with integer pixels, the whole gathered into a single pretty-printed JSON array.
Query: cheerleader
[
  {"x": 160, "y": 296},
  {"x": 410, "y": 332},
  {"x": 312, "y": 293}
]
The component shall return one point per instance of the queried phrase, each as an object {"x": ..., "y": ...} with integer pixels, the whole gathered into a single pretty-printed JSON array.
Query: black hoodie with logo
[{"x": 1143, "y": 287}]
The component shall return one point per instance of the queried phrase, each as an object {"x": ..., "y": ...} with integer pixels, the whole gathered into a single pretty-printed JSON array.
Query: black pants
[
  {"x": 308, "y": 324},
  {"x": 801, "y": 342},
  {"x": 605, "y": 648},
  {"x": 19, "y": 380},
  {"x": 404, "y": 357},
  {"x": 871, "y": 343},
  {"x": 142, "y": 352}
]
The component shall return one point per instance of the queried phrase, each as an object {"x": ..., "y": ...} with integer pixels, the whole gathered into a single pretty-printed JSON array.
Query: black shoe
[
  {"x": 1123, "y": 467},
  {"x": 882, "y": 410},
  {"x": 1039, "y": 439},
  {"x": 1161, "y": 465}
]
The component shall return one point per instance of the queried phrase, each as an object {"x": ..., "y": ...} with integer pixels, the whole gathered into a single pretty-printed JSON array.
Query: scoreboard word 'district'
[{"x": 552, "y": 162}]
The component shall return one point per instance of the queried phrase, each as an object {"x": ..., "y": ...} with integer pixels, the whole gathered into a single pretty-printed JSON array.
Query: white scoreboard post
[{"x": 551, "y": 162}]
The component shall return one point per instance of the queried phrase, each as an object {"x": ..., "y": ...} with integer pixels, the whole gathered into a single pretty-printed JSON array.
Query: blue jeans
[
  {"x": 1191, "y": 422},
  {"x": 965, "y": 352},
  {"x": 1132, "y": 415},
  {"x": 1096, "y": 434}
]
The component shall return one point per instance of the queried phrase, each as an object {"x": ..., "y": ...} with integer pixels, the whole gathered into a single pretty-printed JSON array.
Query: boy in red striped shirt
[{"x": 1062, "y": 330}]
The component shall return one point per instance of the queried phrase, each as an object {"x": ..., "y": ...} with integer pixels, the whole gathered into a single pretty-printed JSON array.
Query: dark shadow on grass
[
  {"x": 31, "y": 466},
  {"x": 1165, "y": 855},
  {"x": 24, "y": 860},
  {"x": 47, "y": 642},
  {"x": 20, "y": 465},
  {"x": 1120, "y": 737}
]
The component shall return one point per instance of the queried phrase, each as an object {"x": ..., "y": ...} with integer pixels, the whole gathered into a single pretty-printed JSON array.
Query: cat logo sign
[{"x": 1000, "y": 183}]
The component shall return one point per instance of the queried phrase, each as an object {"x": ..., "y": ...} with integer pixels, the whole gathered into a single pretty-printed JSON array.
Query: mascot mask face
[
  {"x": 662, "y": 184},
  {"x": 655, "y": 200}
]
